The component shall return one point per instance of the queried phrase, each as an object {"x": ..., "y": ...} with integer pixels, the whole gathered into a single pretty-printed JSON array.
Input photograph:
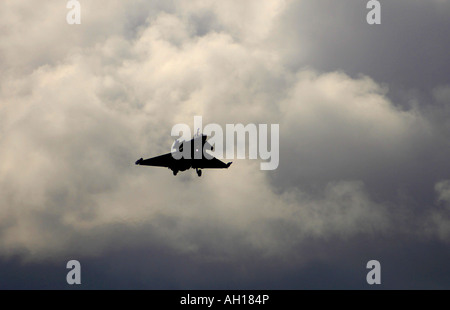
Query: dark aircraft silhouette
[{"x": 197, "y": 159}]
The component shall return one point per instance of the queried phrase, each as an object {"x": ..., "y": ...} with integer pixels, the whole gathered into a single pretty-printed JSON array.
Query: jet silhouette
[{"x": 181, "y": 159}]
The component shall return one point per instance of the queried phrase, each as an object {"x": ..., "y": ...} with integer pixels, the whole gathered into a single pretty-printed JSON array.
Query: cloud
[
  {"x": 406, "y": 50},
  {"x": 443, "y": 189},
  {"x": 354, "y": 164},
  {"x": 439, "y": 221}
]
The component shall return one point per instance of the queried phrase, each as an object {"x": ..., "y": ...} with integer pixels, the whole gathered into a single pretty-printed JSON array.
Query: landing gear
[
  {"x": 175, "y": 172},
  {"x": 199, "y": 172}
]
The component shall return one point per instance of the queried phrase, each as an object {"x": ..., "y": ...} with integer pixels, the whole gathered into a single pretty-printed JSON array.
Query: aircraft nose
[{"x": 138, "y": 162}]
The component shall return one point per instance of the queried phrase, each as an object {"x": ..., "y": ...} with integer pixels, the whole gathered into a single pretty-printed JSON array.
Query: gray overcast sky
[{"x": 364, "y": 144}]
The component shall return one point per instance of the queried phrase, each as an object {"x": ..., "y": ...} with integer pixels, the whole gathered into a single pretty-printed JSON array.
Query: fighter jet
[{"x": 187, "y": 155}]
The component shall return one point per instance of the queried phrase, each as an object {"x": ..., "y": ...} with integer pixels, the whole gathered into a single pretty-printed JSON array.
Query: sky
[{"x": 364, "y": 172}]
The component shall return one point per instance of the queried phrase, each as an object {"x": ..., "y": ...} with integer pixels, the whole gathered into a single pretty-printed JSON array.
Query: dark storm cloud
[
  {"x": 408, "y": 50},
  {"x": 362, "y": 176},
  {"x": 342, "y": 266}
]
